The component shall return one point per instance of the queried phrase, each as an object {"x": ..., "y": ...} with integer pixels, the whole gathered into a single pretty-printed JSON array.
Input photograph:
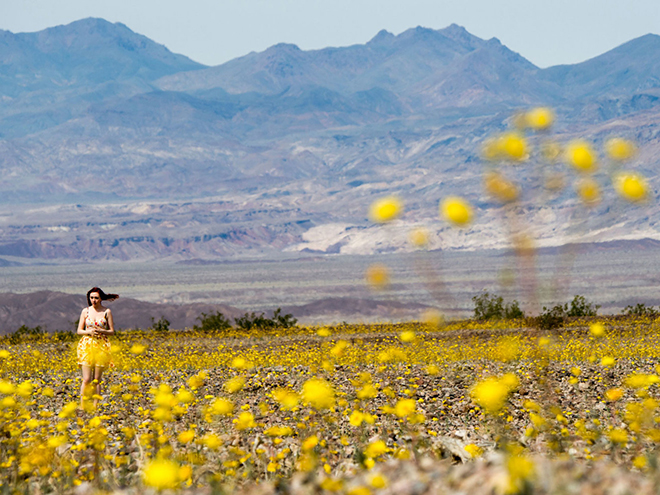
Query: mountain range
[{"x": 114, "y": 148}]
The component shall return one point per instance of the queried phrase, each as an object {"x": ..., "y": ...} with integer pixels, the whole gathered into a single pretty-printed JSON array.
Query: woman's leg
[
  {"x": 98, "y": 372},
  {"x": 87, "y": 377}
]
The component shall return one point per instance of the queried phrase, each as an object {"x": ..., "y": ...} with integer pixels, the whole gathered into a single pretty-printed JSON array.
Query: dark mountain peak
[
  {"x": 283, "y": 48},
  {"x": 631, "y": 67},
  {"x": 383, "y": 37},
  {"x": 461, "y": 35},
  {"x": 419, "y": 33},
  {"x": 642, "y": 50}
]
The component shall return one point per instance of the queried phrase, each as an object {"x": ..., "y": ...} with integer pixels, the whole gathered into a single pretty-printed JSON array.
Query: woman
[{"x": 94, "y": 348}]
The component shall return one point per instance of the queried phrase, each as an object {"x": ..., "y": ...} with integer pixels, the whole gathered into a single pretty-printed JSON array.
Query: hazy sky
[{"x": 547, "y": 32}]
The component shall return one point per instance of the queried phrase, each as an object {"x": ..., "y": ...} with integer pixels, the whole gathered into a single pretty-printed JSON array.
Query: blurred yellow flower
[
  {"x": 492, "y": 393},
  {"x": 338, "y": 349},
  {"x": 221, "y": 407},
  {"x": 212, "y": 441},
  {"x": 318, "y": 393},
  {"x": 235, "y": 384},
  {"x": 581, "y": 156},
  {"x": 385, "y": 209},
  {"x": 640, "y": 380},
  {"x": 404, "y": 408},
  {"x": 540, "y": 118},
  {"x": 245, "y": 420},
  {"x": 614, "y": 394},
  {"x": 240, "y": 363},
  {"x": 356, "y": 418},
  {"x": 186, "y": 436},
  {"x": 368, "y": 391},
  {"x": 607, "y": 361},
  {"x": 6, "y": 387},
  {"x": 138, "y": 349},
  {"x": 588, "y": 190},
  {"x": 597, "y": 329},
  {"x": 310, "y": 442},
  {"x": 378, "y": 481},
  {"x": 375, "y": 449},
  {"x": 520, "y": 469},
  {"x": 618, "y": 435},
  {"x": 500, "y": 188},
  {"x": 407, "y": 336},
  {"x": 474, "y": 450},
  {"x": 57, "y": 441},
  {"x": 619, "y": 149},
  {"x": 419, "y": 237},
  {"x": 514, "y": 146},
  {"x": 433, "y": 318},
  {"x": 378, "y": 276},
  {"x": 631, "y": 187},
  {"x": 432, "y": 369},
  {"x": 456, "y": 210},
  {"x": 161, "y": 474},
  {"x": 287, "y": 399},
  {"x": 278, "y": 431},
  {"x": 25, "y": 389}
]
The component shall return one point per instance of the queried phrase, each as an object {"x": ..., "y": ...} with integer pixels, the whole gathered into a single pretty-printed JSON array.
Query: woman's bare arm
[
  {"x": 111, "y": 324},
  {"x": 81, "y": 323}
]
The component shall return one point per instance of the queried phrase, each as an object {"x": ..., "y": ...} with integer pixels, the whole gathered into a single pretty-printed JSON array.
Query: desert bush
[
  {"x": 26, "y": 333},
  {"x": 250, "y": 321},
  {"x": 213, "y": 322},
  {"x": 556, "y": 316},
  {"x": 492, "y": 307},
  {"x": 640, "y": 309},
  {"x": 551, "y": 318},
  {"x": 162, "y": 325},
  {"x": 580, "y": 307}
]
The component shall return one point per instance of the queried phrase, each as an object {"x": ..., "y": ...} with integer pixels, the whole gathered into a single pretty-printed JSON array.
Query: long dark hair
[{"x": 104, "y": 296}]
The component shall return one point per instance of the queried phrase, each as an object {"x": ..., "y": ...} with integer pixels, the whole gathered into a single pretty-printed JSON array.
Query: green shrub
[
  {"x": 557, "y": 315},
  {"x": 492, "y": 307},
  {"x": 551, "y": 318},
  {"x": 162, "y": 325},
  {"x": 25, "y": 333},
  {"x": 250, "y": 321},
  {"x": 65, "y": 336},
  {"x": 640, "y": 309},
  {"x": 214, "y": 322},
  {"x": 581, "y": 307}
]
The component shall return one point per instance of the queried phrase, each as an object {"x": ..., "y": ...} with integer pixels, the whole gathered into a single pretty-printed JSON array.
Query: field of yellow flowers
[{"x": 357, "y": 409}]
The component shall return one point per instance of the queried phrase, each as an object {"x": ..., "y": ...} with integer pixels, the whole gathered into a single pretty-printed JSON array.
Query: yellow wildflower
[
  {"x": 318, "y": 393},
  {"x": 456, "y": 210},
  {"x": 540, "y": 118},
  {"x": 581, "y": 156},
  {"x": 245, "y": 420},
  {"x": 631, "y": 187},
  {"x": 161, "y": 474},
  {"x": 377, "y": 276},
  {"x": 619, "y": 149},
  {"x": 385, "y": 209}
]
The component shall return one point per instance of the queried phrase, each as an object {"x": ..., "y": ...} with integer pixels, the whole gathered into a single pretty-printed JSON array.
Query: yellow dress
[{"x": 95, "y": 350}]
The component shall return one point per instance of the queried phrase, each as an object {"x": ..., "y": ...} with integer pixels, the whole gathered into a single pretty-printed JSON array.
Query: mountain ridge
[{"x": 131, "y": 166}]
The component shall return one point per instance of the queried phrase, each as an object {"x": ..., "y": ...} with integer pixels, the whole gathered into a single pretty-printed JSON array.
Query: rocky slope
[{"x": 113, "y": 148}]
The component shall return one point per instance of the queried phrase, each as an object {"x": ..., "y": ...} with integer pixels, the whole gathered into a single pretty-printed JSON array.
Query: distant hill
[
  {"x": 114, "y": 148},
  {"x": 58, "y": 311}
]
